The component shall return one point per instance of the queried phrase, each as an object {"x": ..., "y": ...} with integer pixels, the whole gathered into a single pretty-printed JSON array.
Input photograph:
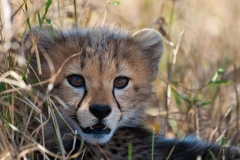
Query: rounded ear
[
  {"x": 40, "y": 39},
  {"x": 150, "y": 42},
  {"x": 43, "y": 36}
]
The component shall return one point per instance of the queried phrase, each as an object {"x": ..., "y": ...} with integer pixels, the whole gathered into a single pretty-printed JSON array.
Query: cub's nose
[{"x": 100, "y": 111}]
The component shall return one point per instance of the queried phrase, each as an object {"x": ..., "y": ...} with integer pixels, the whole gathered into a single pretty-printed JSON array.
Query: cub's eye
[
  {"x": 76, "y": 80},
  {"x": 121, "y": 82}
]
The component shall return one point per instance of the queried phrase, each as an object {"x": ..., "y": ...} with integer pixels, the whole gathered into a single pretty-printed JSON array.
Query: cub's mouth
[{"x": 98, "y": 128}]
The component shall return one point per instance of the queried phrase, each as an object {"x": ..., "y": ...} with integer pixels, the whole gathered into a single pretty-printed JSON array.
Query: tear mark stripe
[{"x": 118, "y": 105}]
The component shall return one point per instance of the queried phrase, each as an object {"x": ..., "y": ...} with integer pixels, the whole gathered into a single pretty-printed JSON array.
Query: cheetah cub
[{"x": 103, "y": 80}]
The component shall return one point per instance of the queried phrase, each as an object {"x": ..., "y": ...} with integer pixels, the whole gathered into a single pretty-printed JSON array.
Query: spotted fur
[{"x": 100, "y": 55}]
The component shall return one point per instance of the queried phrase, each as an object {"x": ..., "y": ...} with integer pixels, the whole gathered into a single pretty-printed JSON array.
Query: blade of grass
[
  {"x": 212, "y": 155},
  {"x": 130, "y": 151},
  {"x": 28, "y": 21},
  {"x": 153, "y": 139},
  {"x": 75, "y": 13},
  {"x": 57, "y": 134},
  {"x": 116, "y": 3}
]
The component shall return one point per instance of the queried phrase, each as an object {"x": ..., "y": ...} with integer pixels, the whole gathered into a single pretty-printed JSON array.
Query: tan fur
[{"x": 101, "y": 55}]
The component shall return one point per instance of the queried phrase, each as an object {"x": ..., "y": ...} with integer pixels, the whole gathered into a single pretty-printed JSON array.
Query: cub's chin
[{"x": 96, "y": 136}]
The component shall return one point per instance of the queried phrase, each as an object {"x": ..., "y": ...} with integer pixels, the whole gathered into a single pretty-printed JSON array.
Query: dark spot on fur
[
  {"x": 100, "y": 63},
  {"x": 133, "y": 101},
  {"x": 118, "y": 145},
  {"x": 135, "y": 88},
  {"x": 133, "y": 119},
  {"x": 117, "y": 66},
  {"x": 57, "y": 86},
  {"x": 126, "y": 56},
  {"x": 83, "y": 54},
  {"x": 114, "y": 151},
  {"x": 127, "y": 133},
  {"x": 89, "y": 56},
  {"x": 116, "y": 50},
  {"x": 124, "y": 141},
  {"x": 81, "y": 41},
  {"x": 95, "y": 52},
  {"x": 82, "y": 65},
  {"x": 123, "y": 154},
  {"x": 115, "y": 140},
  {"x": 88, "y": 37}
]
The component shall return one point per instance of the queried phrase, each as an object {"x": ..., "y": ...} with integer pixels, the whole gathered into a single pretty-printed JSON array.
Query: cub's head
[{"x": 104, "y": 75}]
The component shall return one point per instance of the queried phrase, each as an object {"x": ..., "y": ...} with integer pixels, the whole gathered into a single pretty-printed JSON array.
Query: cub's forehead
[
  {"x": 97, "y": 38},
  {"x": 103, "y": 43},
  {"x": 99, "y": 49},
  {"x": 94, "y": 69}
]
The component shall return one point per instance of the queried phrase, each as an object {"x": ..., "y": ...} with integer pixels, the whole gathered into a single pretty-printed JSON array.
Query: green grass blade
[
  {"x": 223, "y": 141},
  {"x": 2, "y": 86},
  {"x": 75, "y": 12},
  {"x": 28, "y": 21},
  {"x": 153, "y": 138},
  {"x": 9, "y": 124},
  {"x": 176, "y": 96},
  {"x": 52, "y": 34},
  {"x": 48, "y": 4},
  {"x": 212, "y": 155},
  {"x": 130, "y": 151},
  {"x": 116, "y": 3},
  {"x": 39, "y": 20}
]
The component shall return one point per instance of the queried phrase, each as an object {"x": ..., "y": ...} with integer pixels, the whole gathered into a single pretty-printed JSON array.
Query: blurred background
[{"x": 198, "y": 87}]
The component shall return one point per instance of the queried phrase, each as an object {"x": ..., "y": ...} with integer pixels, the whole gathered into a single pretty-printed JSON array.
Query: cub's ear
[
  {"x": 150, "y": 42},
  {"x": 45, "y": 38}
]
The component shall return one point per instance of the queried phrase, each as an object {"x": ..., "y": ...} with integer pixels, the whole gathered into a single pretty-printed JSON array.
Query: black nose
[{"x": 100, "y": 111}]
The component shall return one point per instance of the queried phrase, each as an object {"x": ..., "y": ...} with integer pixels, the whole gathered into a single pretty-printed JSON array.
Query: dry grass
[{"x": 195, "y": 94}]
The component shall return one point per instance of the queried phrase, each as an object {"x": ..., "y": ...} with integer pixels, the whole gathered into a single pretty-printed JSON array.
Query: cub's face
[{"x": 104, "y": 76}]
